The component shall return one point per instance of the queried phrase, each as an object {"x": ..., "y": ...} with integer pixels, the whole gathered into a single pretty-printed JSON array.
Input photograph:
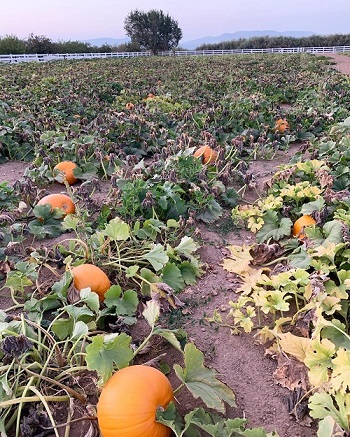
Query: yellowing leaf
[
  {"x": 341, "y": 371},
  {"x": 239, "y": 260},
  {"x": 294, "y": 345},
  {"x": 319, "y": 361},
  {"x": 251, "y": 278}
]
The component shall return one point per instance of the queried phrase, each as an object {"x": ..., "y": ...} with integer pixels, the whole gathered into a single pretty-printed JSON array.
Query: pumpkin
[
  {"x": 207, "y": 154},
  {"x": 281, "y": 125},
  {"x": 61, "y": 201},
  {"x": 300, "y": 224},
  {"x": 66, "y": 167},
  {"x": 150, "y": 96},
  {"x": 89, "y": 275},
  {"x": 128, "y": 403},
  {"x": 129, "y": 106}
]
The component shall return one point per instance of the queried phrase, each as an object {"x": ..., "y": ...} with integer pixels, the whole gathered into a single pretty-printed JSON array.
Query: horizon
[{"x": 59, "y": 20}]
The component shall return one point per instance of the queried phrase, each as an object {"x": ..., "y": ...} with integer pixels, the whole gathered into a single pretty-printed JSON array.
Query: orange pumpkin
[
  {"x": 300, "y": 224},
  {"x": 66, "y": 167},
  {"x": 129, "y": 401},
  {"x": 89, "y": 275},
  {"x": 207, "y": 154},
  {"x": 281, "y": 125},
  {"x": 129, "y": 106},
  {"x": 60, "y": 201}
]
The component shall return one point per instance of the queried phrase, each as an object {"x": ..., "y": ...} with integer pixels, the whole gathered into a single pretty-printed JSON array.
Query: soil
[{"x": 240, "y": 361}]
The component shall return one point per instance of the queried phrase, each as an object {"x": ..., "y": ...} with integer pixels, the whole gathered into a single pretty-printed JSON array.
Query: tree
[
  {"x": 11, "y": 44},
  {"x": 39, "y": 44},
  {"x": 152, "y": 30}
]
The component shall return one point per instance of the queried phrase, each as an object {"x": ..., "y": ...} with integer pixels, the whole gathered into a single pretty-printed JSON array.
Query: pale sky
[{"x": 86, "y": 19}]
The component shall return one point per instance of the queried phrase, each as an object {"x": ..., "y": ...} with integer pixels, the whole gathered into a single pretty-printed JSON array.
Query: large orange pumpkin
[
  {"x": 129, "y": 401},
  {"x": 300, "y": 224},
  {"x": 66, "y": 167},
  {"x": 60, "y": 201},
  {"x": 281, "y": 125},
  {"x": 207, "y": 154},
  {"x": 89, "y": 275}
]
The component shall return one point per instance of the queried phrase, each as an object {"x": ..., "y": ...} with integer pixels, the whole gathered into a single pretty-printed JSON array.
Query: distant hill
[
  {"x": 191, "y": 45},
  {"x": 98, "y": 42}
]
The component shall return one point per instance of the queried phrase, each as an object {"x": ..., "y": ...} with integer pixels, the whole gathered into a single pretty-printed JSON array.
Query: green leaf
[
  {"x": 210, "y": 212},
  {"x": 61, "y": 287},
  {"x": 157, "y": 257},
  {"x": 117, "y": 230},
  {"x": 172, "y": 276},
  {"x": 323, "y": 404},
  {"x": 63, "y": 328},
  {"x": 80, "y": 329},
  {"x": 149, "y": 277},
  {"x": 310, "y": 207},
  {"x": 175, "y": 337},
  {"x": 187, "y": 246},
  {"x": 189, "y": 272},
  {"x": 106, "y": 352},
  {"x": 330, "y": 233},
  {"x": 90, "y": 298},
  {"x": 274, "y": 227},
  {"x": 125, "y": 304},
  {"x": 202, "y": 382}
]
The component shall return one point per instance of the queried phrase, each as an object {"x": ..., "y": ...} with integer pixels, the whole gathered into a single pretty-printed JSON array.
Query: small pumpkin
[
  {"x": 207, "y": 154},
  {"x": 129, "y": 106},
  {"x": 281, "y": 125},
  {"x": 129, "y": 401},
  {"x": 89, "y": 275},
  {"x": 61, "y": 201},
  {"x": 66, "y": 168},
  {"x": 300, "y": 224}
]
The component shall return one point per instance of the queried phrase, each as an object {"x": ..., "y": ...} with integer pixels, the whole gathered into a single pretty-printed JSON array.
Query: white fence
[{"x": 13, "y": 59}]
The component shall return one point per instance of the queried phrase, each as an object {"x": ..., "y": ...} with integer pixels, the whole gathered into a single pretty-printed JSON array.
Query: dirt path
[{"x": 342, "y": 62}]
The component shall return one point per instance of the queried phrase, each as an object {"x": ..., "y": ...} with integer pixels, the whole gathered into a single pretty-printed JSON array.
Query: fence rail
[{"x": 13, "y": 59}]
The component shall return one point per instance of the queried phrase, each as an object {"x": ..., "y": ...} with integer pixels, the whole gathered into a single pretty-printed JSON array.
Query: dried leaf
[
  {"x": 263, "y": 253},
  {"x": 291, "y": 373},
  {"x": 295, "y": 346}
]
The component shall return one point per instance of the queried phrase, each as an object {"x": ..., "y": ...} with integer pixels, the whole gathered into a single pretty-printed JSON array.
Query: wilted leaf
[{"x": 165, "y": 296}]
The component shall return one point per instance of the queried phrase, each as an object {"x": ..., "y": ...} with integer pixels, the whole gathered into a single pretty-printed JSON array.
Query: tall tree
[{"x": 152, "y": 30}]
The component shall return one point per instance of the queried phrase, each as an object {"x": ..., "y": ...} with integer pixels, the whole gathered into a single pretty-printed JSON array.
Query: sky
[{"x": 64, "y": 20}]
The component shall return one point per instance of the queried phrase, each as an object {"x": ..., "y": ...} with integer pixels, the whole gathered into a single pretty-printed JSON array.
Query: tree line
[
  {"x": 40, "y": 44},
  {"x": 265, "y": 42},
  {"x": 153, "y": 30}
]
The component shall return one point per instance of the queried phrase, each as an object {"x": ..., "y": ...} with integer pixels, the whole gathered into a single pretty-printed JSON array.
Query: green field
[{"x": 132, "y": 127}]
